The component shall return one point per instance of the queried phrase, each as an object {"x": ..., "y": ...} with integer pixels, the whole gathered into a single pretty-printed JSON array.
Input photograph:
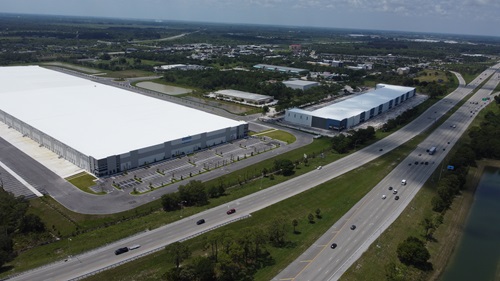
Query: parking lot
[{"x": 186, "y": 167}]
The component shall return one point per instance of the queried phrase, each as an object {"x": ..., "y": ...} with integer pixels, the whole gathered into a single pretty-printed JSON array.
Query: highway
[
  {"x": 104, "y": 257},
  {"x": 373, "y": 214}
]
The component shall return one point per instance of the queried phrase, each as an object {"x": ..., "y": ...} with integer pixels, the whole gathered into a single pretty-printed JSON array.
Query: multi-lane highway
[
  {"x": 156, "y": 239},
  {"x": 373, "y": 214}
]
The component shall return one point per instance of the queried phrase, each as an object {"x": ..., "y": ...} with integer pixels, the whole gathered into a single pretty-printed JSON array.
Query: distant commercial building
[
  {"x": 351, "y": 112},
  {"x": 296, "y": 48},
  {"x": 244, "y": 97},
  {"x": 403, "y": 70},
  {"x": 336, "y": 63},
  {"x": 284, "y": 69},
  {"x": 179, "y": 67},
  {"x": 102, "y": 129},
  {"x": 300, "y": 84}
]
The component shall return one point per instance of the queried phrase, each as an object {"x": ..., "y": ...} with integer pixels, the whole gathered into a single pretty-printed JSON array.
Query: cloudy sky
[{"x": 481, "y": 17}]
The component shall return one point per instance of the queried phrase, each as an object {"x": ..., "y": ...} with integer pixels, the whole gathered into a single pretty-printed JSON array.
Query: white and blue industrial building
[{"x": 351, "y": 112}]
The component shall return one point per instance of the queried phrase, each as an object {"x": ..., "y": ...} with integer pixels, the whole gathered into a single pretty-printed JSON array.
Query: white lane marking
[{"x": 21, "y": 180}]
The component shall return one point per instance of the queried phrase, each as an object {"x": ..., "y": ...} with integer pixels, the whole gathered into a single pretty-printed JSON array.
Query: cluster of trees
[
  {"x": 195, "y": 193},
  {"x": 485, "y": 139},
  {"x": 343, "y": 144},
  {"x": 252, "y": 81},
  {"x": 192, "y": 194},
  {"x": 229, "y": 256},
  {"x": 14, "y": 221},
  {"x": 413, "y": 252}
]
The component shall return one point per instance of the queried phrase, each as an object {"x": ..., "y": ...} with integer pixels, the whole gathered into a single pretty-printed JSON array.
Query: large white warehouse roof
[
  {"x": 95, "y": 119},
  {"x": 354, "y": 106}
]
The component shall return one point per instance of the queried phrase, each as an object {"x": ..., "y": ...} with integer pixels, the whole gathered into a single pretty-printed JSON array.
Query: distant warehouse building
[
  {"x": 300, "y": 84},
  {"x": 351, "y": 112},
  {"x": 103, "y": 129},
  {"x": 244, "y": 97},
  {"x": 283, "y": 69}
]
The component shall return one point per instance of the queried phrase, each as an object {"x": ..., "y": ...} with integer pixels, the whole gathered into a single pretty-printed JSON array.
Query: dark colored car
[
  {"x": 353, "y": 227},
  {"x": 390, "y": 187},
  {"x": 333, "y": 246},
  {"x": 396, "y": 198},
  {"x": 202, "y": 221},
  {"x": 121, "y": 250},
  {"x": 231, "y": 211}
]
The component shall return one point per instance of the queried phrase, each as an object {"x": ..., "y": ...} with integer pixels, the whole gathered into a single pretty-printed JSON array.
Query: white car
[
  {"x": 403, "y": 182},
  {"x": 319, "y": 168},
  {"x": 383, "y": 196}
]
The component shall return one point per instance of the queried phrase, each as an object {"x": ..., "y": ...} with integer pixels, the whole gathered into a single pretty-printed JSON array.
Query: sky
[{"x": 476, "y": 17}]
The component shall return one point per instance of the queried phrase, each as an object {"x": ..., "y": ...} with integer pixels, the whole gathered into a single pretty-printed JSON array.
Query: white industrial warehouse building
[
  {"x": 351, "y": 112},
  {"x": 300, "y": 84},
  {"x": 103, "y": 129},
  {"x": 243, "y": 97}
]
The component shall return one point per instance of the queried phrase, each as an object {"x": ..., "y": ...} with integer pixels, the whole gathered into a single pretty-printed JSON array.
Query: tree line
[{"x": 15, "y": 222}]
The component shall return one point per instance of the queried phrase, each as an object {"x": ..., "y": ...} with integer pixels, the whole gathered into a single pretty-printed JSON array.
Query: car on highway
[
  {"x": 383, "y": 196},
  {"x": 396, "y": 198},
  {"x": 231, "y": 211},
  {"x": 319, "y": 168},
  {"x": 390, "y": 187},
  {"x": 120, "y": 251},
  {"x": 333, "y": 246},
  {"x": 395, "y": 191},
  {"x": 202, "y": 221},
  {"x": 353, "y": 227},
  {"x": 403, "y": 182}
]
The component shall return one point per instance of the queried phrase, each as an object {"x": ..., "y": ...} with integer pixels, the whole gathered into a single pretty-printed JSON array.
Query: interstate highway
[
  {"x": 103, "y": 257},
  {"x": 373, "y": 214}
]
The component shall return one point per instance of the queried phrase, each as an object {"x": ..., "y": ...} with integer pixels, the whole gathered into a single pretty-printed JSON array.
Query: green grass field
[
  {"x": 279, "y": 135},
  {"x": 83, "y": 181},
  {"x": 432, "y": 75}
]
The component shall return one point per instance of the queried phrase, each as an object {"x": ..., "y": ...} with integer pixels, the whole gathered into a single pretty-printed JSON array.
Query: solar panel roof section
[
  {"x": 365, "y": 102},
  {"x": 96, "y": 119}
]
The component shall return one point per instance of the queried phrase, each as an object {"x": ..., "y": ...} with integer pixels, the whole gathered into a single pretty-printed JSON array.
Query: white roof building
[
  {"x": 300, "y": 84},
  {"x": 350, "y": 112},
  {"x": 95, "y": 119}
]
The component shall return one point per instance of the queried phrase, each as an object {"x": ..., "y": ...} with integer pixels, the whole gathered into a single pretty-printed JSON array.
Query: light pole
[{"x": 69, "y": 248}]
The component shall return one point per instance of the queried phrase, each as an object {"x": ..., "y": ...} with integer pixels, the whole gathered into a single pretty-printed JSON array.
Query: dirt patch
[{"x": 457, "y": 218}]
